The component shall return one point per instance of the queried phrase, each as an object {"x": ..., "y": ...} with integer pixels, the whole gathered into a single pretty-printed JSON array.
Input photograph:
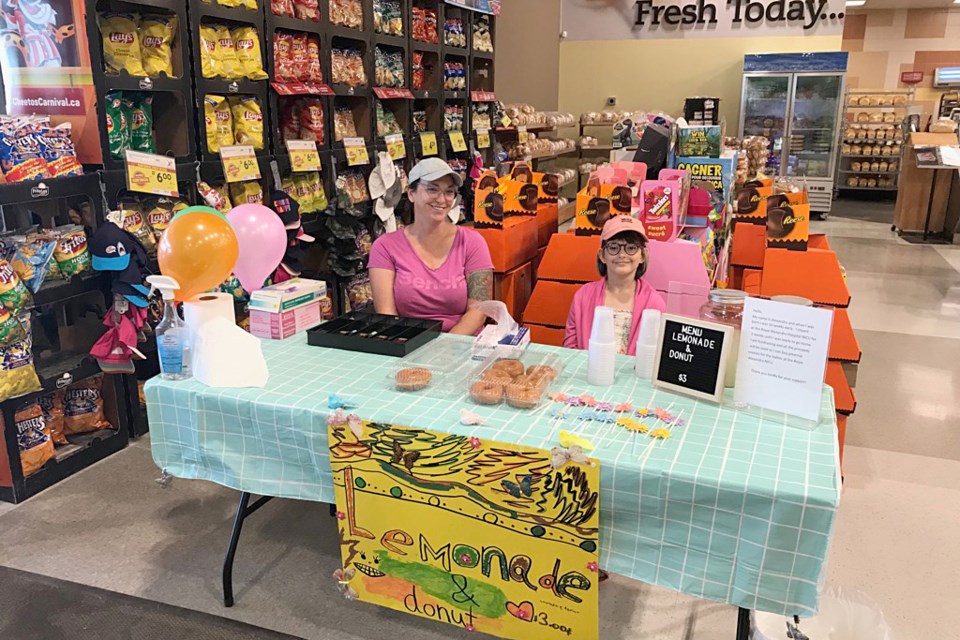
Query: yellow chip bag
[
  {"x": 156, "y": 40},
  {"x": 247, "y": 44},
  {"x": 226, "y": 49},
  {"x": 225, "y": 193},
  {"x": 249, "y": 4},
  {"x": 247, "y": 121},
  {"x": 218, "y": 122},
  {"x": 121, "y": 43},
  {"x": 246, "y": 193},
  {"x": 304, "y": 193},
  {"x": 210, "y": 61}
]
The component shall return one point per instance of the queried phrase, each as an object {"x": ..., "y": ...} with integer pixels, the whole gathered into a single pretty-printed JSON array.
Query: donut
[
  {"x": 486, "y": 392},
  {"x": 413, "y": 379},
  {"x": 496, "y": 375},
  {"x": 512, "y": 367},
  {"x": 541, "y": 371},
  {"x": 523, "y": 394}
]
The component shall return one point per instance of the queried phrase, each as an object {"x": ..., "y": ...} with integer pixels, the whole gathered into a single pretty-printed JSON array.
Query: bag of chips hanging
[
  {"x": 224, "y": 193},
  {"x": 72, "y": 253},
  {"x": 314, "y": 71},
  {"x": 141, "y": 123},
  {"x": 118, "y": 124},
  {"x": 10, "y": 327},
  {"x": 32, "y": 259},
  {"x": 226, "y": 48},
  {"x": 52, "y": 407},
  {"x": 311, "y": 120},
  {"x": 21, "y": 152},
  {"x": 307, "y": 10},
  {"x": 289, "y": 119},
  {"x": 13, "y": 293},
  {"x": 58, "y": 151},
  {"x": 133, "y": 223},
  {"x": 317, "y": 191},
  {"x": 284, "y": 70},
  {"x": 246, "y": 193},
  {"x": 121, "y": 43},
  {"x": 282, "y": 8},
  {"x": 247, "y": 44},
  {"x": 298, "y": 55},
  {"x": 36, "y": 448},
  {"x": 156, "y": 44},
  {"x": 304, "y": 193},
  {"x": 159, "y": 212},
  {"x": 17, "y": 374},
  {"x": 248, "y": 4},
  {"x": 219, "y": 122},
  {"x": 247, "y": 121},
  {"x": 211, "y": 62},
  {"x": 83, "y": 407},
  {"x": 214, "y": 197}
]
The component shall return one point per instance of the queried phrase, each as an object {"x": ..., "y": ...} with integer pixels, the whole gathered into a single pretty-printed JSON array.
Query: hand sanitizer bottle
[{"x": 171, "y": 333}]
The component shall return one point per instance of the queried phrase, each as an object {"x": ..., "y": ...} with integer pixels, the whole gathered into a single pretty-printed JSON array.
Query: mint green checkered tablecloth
[{"x": 735, "y": 507}]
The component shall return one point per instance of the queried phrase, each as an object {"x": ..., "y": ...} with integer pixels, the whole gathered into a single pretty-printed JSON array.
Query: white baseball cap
[{"x": 431, "y": 170}]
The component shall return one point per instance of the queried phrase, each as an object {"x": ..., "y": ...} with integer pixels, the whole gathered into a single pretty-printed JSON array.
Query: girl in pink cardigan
[{"x": 622, "y": 260}]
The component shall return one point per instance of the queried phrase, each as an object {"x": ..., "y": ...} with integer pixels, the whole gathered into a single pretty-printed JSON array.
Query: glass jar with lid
[{"x": 725, "y": 306}]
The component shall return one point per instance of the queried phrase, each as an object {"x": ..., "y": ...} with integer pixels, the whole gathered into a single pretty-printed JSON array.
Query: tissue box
[
  {"x": 281, "y": 310},
  {"x": 489, "y": 342}
]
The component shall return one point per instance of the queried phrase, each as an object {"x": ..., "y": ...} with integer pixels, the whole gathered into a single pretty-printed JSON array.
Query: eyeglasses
[
  {"x": 614, "y": 248},
  {"x": 434, "y": 191}
]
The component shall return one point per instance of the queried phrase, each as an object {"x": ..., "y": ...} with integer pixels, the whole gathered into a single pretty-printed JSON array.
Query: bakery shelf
[
  {"x": 871, "y": 141},
  {"x": 848, "y": 188},
  {"x": 871, "y": 173},
  {"x": 854, "y": 155}
]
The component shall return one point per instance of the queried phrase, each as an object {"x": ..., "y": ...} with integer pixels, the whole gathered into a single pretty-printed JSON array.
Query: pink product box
[{"x": 280, "y": 326}]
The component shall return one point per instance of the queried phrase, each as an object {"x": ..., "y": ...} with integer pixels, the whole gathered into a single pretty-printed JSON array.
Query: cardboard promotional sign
[
  {"x": 715, "y": 176},
  {"x": 660, "y": 208},
  {"x": 692, "y": 357},
  {"x": 483, "y": 535},
  {"x": 488, "y": 204},
  {"x": 751, "y": 200},
  {"x": 788, "y": 221},
  {"x": 597, "y": 203}
]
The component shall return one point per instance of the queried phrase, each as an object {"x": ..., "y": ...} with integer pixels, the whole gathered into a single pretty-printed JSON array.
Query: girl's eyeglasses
[{"x": 614, "y": 248}]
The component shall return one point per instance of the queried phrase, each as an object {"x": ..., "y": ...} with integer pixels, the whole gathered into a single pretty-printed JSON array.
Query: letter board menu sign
[{"x": 692, "y": 357}]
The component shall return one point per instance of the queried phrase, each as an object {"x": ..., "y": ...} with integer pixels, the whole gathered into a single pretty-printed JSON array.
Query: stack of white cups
[
  {"x": 647, "y": 343},
  {"x": 602, "y": 350}
]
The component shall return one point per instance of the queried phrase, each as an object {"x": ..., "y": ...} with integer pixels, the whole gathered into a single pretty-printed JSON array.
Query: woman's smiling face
[{"x": 433, "y": 199}]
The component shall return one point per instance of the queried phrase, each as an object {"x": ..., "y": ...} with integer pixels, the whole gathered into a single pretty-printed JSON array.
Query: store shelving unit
[
  {"x": 65, "y": 323},
  {"x": 872, "y": 139}
]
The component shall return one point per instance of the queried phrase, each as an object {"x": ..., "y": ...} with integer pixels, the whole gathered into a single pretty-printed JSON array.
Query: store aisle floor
[{"x": 113, "y": 527}]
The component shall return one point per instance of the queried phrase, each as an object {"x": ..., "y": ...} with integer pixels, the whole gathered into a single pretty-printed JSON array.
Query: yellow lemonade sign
[{"x": 483, "y": 535}]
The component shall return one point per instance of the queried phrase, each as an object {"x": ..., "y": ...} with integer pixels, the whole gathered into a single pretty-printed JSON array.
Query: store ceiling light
[{"x": 860, "y": 3}]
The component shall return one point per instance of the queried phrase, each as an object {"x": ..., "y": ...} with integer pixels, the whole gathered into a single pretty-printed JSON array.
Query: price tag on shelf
[
  {"x": 303, "y": 155},
  {"x": 150, "y": 173},
  {"x": 483, "y": 138},
  {"x": 522, "y": 135},
  {"x": 356, "y": 151},
  {"x": 239, "y": 163},
  {"x": 395, "y": 146},
  {"x": 457, "y": 141},
  {"x": 429, "y": 141}
]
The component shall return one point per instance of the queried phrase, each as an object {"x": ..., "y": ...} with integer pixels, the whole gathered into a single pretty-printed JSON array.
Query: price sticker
[
  {"x": 150, "y": 173},
  {"x": 395, "y": 146},
  {"x": 239, "y": 163},
  {"x": 522, "y": 135},
  {"x": 457, "y": 141},
  {"x": 483, "y": 138},
  {"x": 303, "y": 155},
  {"x": 356, "y": 151},
  {"x": 429, "y": 141}
]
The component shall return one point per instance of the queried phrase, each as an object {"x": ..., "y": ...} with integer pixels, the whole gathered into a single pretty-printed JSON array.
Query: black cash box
[{"x": 374, "y": 333}]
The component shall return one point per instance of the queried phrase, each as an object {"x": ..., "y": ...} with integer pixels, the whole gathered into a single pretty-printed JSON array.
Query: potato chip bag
[
  {"x": 59, "y": 152},
  {"x": 246, "y": 193},
  {"x": 314, "y": 70},
  {"x": 218, "y": 121},
  {"x": 17, "y": 375},
  {"x": 118, "y": 124},
  {"x": 32, "y": 259},
  {"x": 52, "y": 407},
  {"x": 13, "y": 293},
  {"x": 247, "y": 121},
  {"x": 156, "y": 40},
  {"x": 72, "y": 254},
  {"x": 211, "y": 62},
  {"x": 283, "y": 57},
  {"x": 224, "y": 193},
  {"x": 83, "y": 407},
  {"x": 247, "y": 43},
  {"x": 215, "y": 198},
  {"x": 21, "y": 149},
  {"x": 10, "y": 327},
  {"x": 159, "y": 212},
  {"x": 248, "y": 4},
  {"x": 282, "y": 8},
  {"x": 134, "y": 223},
  {"x": 311, "y": 120},
  {"x": 304, "y": 193},
  {"x": 121, "y": 43},
  {"x": 36, "y": 448},
  {"x": 298, "y": 55},
  {"x": 141, "y": 123},
  {"x": 227, "y": 52}
]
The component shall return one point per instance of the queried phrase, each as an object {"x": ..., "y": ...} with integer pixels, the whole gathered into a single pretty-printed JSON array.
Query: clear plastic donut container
[
  {"x": 434, "y": 369},
  {"x": 520, "y": 383}
]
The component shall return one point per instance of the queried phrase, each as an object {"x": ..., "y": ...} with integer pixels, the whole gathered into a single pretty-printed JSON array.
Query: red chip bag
[
  {"x": 311, "y": 120},
  {"x": 282, "y": 8},
  {"x": 314, "y": 72},
  {"x": 290, "y": 119},
  {"x": 298, "y": 55},
  {"x": 306, "y": 10},
  {"x": 282, "y": 58}
]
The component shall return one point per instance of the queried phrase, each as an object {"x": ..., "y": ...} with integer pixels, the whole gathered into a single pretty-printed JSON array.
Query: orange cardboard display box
[
  {"x": 751, "y": 200},
  {"x": 597, "y": 203},
  {"x": 512, "y": 244},
  {"x": 489, "y": 208},
  {"x": 788, "y": 221}
]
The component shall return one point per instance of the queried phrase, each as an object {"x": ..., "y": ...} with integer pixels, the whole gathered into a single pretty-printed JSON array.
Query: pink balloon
[{"x": 263, "y": 241}]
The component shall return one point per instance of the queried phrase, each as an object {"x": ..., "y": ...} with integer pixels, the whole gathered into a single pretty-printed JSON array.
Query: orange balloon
[{"x": 199, "y": 251}]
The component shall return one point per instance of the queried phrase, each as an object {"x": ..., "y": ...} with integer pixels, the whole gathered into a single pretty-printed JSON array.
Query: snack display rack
[
  {"x": 65, "y": 323},
  {"x": 173, "y": 105},
  {"x": 872, "y": 142}
]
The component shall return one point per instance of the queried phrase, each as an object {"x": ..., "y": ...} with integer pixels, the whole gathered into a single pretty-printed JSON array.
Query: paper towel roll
[{"x": 206, "y": 307}]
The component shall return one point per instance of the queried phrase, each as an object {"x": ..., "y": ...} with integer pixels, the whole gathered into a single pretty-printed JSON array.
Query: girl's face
[
  {"x": 622, "y": 256},
  {"x": 433, "y": 200}
]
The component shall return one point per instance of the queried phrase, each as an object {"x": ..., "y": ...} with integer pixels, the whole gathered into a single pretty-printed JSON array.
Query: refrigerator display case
[{"x": 796, "y": 101}]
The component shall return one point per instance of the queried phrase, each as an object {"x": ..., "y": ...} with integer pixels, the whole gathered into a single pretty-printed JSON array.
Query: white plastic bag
[{"x": 845, "y": 614}]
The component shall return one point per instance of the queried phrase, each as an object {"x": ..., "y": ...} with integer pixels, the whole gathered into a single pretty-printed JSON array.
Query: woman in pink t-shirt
[{"x": 432, "y": 268}]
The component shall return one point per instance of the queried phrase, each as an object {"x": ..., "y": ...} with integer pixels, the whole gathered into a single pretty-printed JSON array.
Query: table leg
[
  {"x": 243, "y": 510},
  {"x": 743, "y": 624},
  {"x": 926, "y": 223}
]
